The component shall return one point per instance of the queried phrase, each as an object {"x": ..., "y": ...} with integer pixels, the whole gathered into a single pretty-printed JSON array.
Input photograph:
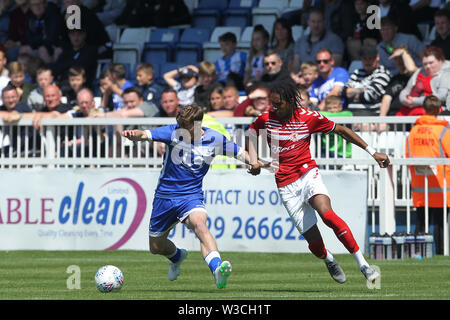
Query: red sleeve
[
  {"x": 239, "y": 111},
  {"x": 320, "y": 123},
  {"x": 259, "y": 123}
]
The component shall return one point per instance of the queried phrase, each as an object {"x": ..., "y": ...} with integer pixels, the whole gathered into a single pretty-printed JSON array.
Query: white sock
[
  {"x": 329, "y": 257},
  {"x": 360, "y": 259}
]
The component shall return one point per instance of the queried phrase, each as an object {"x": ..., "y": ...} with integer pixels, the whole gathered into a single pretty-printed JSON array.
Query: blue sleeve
[
  {"x": 227, "y": 147},
  {"x": 162, "y": 134},
  {"x": 341, "y": 75}
]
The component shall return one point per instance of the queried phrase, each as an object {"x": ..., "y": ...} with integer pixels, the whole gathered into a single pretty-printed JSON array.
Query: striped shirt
[
  {"x": 235, "y": 63},
  {"x": 373, "y": 85}
]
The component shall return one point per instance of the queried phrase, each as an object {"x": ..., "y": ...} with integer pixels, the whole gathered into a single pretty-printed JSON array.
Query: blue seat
[
  {"x": 206, "y": 18},
  {"x": 160, "y": 47},
  {"x": 190, "y": 47},
  {"x": 239, "y": 13}
]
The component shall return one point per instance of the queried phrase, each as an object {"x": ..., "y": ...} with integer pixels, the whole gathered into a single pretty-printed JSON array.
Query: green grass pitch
[{"x": 42, "y": 275}]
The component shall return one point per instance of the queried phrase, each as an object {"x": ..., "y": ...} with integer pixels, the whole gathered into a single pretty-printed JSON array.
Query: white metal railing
[{"x": 96, "y": 142}]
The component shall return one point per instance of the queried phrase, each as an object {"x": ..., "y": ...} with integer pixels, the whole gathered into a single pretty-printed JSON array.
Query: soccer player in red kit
[{"x": 288, "y": 127}]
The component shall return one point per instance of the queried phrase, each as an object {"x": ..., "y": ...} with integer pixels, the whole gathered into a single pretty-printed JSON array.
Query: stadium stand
[
  {"x": 130, "y": 46},
  {"x": 189, "y": 50},
  {"x": 161, "y": 45}
]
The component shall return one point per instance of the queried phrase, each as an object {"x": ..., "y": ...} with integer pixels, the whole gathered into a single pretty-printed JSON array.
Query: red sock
[
  {"x": 341, "y": 230},
  {"x": 318, "y": 249}
]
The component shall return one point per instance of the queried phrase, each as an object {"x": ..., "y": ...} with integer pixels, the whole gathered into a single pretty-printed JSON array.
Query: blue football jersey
[{"x": 185, "y": 164}]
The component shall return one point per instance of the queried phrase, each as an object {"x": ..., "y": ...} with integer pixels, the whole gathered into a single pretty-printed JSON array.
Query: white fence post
[{"x": 387, "y": 207}]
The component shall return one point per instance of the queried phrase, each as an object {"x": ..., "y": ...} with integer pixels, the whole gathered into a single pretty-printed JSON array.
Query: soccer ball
[{"x": 108, "y": 278}]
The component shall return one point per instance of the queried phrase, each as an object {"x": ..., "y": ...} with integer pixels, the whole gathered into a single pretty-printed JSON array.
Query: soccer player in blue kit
[{"x": 179, "y": 194}]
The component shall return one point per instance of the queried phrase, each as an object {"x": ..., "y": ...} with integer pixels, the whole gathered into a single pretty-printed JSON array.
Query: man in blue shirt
[
  {"x": 331, "y": 79},
  {"x": 179, "y": 194}
]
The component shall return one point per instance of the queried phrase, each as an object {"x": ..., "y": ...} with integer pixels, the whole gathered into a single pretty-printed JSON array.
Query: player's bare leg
[
  {"x": 322, "y": 204},
  {"x": 163, "y": 246},
  {"x": 221, "y": 270},
  {"x": 317, "y": 247}
]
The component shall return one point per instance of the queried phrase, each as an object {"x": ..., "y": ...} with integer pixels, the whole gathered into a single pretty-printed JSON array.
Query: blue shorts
[{"x": 167, "y": 213}]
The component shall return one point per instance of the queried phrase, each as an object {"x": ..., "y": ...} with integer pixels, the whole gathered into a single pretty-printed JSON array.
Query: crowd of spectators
[{"x": 399, "y": 67}]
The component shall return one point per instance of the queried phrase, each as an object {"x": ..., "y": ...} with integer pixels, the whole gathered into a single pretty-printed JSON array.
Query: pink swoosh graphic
[{"x": 138, "y": 216}]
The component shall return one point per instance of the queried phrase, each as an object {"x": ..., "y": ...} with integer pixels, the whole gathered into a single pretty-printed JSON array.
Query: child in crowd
[
  {"x": 118, "y": 83},
  {"x": 333, "y": 108},
  {"x": 230, "y": 68},
  {"x": 44, "y": 77},
  {"x": 17, "y": 76},
  {"x": 77, "y": 81},
  {"x": 305, "y": 102},
  {"x": 308, "y": 73},
  {"x": 207, "y": 81},
  {"x": 151, "y": 91},
  {"x": 254, "y": 67},
  {"x": 187, "y": 84},
  {"x": 105, "y": 89}
]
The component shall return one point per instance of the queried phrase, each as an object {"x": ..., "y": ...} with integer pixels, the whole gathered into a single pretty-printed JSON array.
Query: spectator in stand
[
  {"x": 106, "y": 92},
  {"x": 135, "y": 106},
  {"x": 17, "y": 28},
  {"x": 118, "y": 83},
  {"x": 307, "y": 47},
  {"x": 44, "y": 77},
  {"x": 216, "y": 107},
  {"x": 151, "y": 90},
  {"x": 400, "y": 12},
  {"x": 362, "y": 35},
  {"x": 230, "y": 68},
  {"x": 230, "y": 97},
  {"x": 433, "y": 78},
  {"x": 423, "y": 10},
  {"x": 171, "y": 107},
  {"x": 283, "y": 42},
  {"x": 17, "y": 76},
  {"x": 207, "y": 81},
  {"x": 187, "y": 84},
  {"x": 254, "y": 66},
  {"x": 391, "y": 39},
  {"x": 307, "y": 75},
  {"x": 331, "y": 79},
  {"x": 9, "y": 113},
  {"x": 53, "y": 103},
  {"x": 96, "y": 35},
  {"x": 338, "y": 15},
  {"x": 442, "y": 23},
  {"x": 258, "y": 101},
  {"x": 390, "y": 102},
  {"x": 44, "y": 31},
  {"x": 274, "y": 70},
  {"x": 110, "y": 11},
  {"x": 6, "y": 6},
  {"x": 305, "y": 102},
  {"x": 333, "y": 108},
  {"x": 3, "y": 61},
  {"x": 170, "y": 103},
  {"x": 77, "y": 54},
  {"x": 158, "y": 13},
  {"x": 366, "y": 86},
  {"x": 76, "y": 82}
]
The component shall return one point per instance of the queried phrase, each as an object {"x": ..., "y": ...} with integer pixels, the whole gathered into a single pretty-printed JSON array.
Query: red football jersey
[{"x": 290, "y": 141}]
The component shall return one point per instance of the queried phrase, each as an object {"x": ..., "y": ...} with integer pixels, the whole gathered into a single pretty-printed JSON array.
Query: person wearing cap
[
  {"x": 186, "y": 85},
  {"x": 366, "y": 86}
]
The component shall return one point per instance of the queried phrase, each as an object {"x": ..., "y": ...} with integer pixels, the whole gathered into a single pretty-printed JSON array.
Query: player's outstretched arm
[
  {"x": 349, "y": 135},
  {"x": 135, "y": 135}
]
